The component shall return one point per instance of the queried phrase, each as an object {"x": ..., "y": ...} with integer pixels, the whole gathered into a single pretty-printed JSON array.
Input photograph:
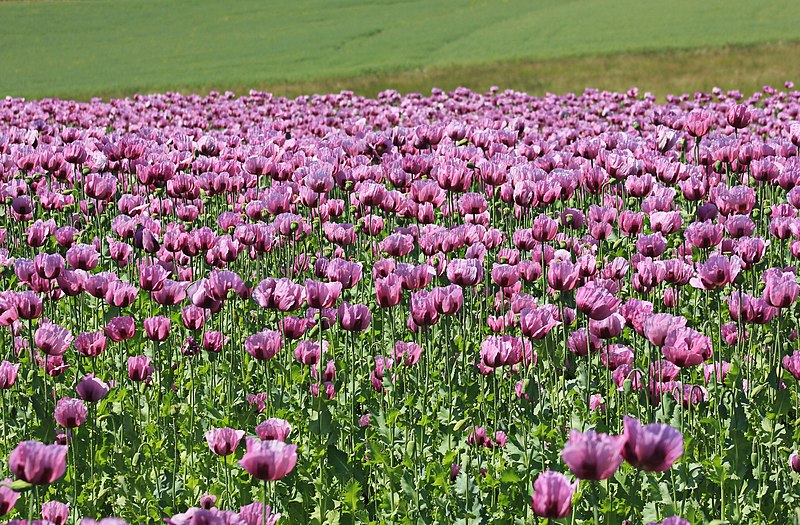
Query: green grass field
[{"x": 117, "y": 47}]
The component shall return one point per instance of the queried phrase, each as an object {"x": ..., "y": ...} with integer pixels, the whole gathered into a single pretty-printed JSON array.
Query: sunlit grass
[{"x": 104, "y": 47}]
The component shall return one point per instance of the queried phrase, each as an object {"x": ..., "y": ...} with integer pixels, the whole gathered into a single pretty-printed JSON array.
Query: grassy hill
[{"x": 115, "y": 47}]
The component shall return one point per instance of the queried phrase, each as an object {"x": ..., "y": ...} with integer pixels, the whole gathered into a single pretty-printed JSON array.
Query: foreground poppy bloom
[
  {"x": 407, "y": 353},
  {"x": 657, "y": 326},
  {"x": 562, "y": 275},
  {"x": 448, "y": 300},
  {"x": 698, "y": 123},
  {"x": 253, "y": 514},
  {"x": 686, "y": 347},
  {"x": 465, "y": 272},
  {"x": 70, "y": 412},
  {"x": 596, "y": 302},
  {"x": 55, "y": 512},
  {"x": 37, "y": 463},
  {"x": 738, "y": 116},
  {"x": 264, "y": 345},
  {"x": 552, "y": 495},
  {"x": 354, "y": 318},
  {"x": 207, "y": 501},
  {"x": 91, "y": 344},
  {"x": 781, "y": 288},
  {"x": 139, "y": 368},
  {"x": 536, "y": 323},
  {"x": 8, "y": 498},
  {"x": 593, "y": 456},
  {"x": 8, "y": 374},
  {"x": 48, "y": 265},
  {"x": 717, "y": 271},
  {"x": 310, "y": 352},
  {"x": 223, "y": 441},
  {"x": 52, "y": 339},
  {"x": 120, "y": 328},
  {"x": 268, "y": 460},
  {"x": 389, "y": 291},
  {"x": 794, "y": 461},
  {"x": 322, "y": 295},
  {"x": 157, "y": 328},
  {"x": 274, "y": 428},
  {"x": 653, "y": 447},
  {"x": 198, "y": 515}
]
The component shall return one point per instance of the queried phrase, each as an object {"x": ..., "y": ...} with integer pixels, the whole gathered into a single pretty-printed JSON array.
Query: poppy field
[{"x": 458, "y": 308}]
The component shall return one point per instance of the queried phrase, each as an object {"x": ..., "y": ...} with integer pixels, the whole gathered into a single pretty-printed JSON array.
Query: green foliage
[{"x": 103, "y": 47}]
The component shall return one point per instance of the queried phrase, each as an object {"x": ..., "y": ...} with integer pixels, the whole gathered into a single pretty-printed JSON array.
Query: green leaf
[
  {"x": 332, "y": 517},
  {"x": 509, "y": 476},
  {"x": 757, "y": 390},
  {"x": 352, "y": 495},
  {"x": 321, "y": 422},
  {"x": 338, "y": 460}
]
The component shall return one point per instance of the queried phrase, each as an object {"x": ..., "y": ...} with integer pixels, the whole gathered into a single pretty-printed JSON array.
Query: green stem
[{"x": 264, "y": 505}]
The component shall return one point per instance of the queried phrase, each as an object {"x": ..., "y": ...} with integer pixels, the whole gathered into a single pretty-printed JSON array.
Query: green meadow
[{"x": 87, "y": 48}]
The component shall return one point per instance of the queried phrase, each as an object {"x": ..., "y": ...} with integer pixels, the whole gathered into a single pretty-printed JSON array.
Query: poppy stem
[
  {"x": 588, "y": 372},
  {"x": 3, "y": 412},
  {"x": 593, "y": 502},
  {"x": 264, "y": 505},
  {"x": 267, "y": 388},
  {"x": 228, "y": 480},
  {"x": 72, "y": 444},
  {"x": 92, "y": 433}
]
